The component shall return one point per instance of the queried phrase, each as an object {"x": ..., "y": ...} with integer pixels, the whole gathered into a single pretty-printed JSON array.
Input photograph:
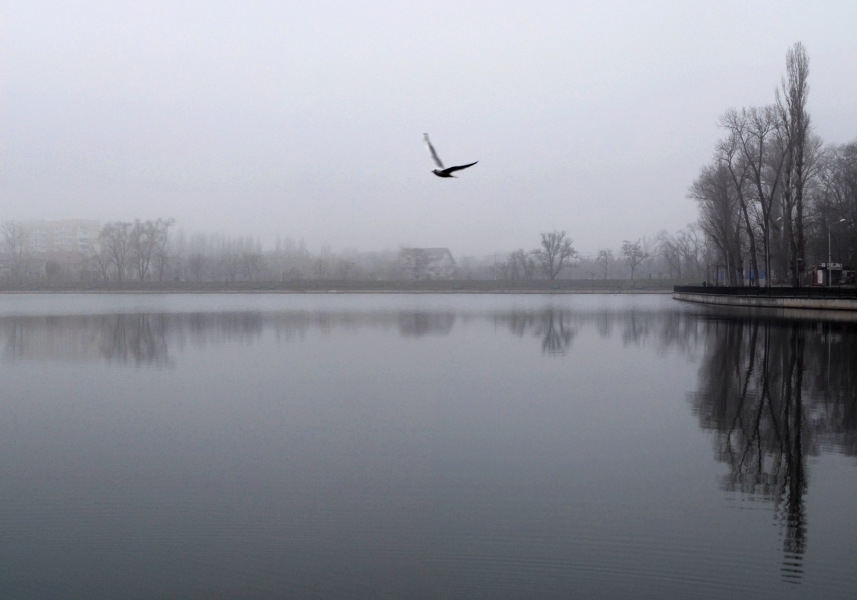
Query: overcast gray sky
[{"x": 306, "y": 118}]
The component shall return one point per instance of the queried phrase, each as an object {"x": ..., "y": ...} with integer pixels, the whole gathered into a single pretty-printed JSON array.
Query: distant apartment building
[
  {"x": 59, "y": 238},
  {"x": 33, "y": 250}
]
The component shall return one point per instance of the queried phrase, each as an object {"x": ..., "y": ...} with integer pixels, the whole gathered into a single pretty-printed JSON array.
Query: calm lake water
[{"x": 423, "y": 446}]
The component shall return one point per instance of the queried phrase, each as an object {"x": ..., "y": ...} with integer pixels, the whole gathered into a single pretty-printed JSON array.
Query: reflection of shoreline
[
  {"x": 146, "y": 339},
  {"x": 140, "y": 339}
]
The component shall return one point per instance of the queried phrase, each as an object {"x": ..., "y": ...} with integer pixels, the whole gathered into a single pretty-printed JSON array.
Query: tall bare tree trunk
[{"x": 792, "y": 108}]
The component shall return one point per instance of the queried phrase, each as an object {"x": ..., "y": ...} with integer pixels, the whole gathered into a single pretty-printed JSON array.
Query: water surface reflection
[
  {"x": 147, "y": 339},
  {"x": 420, "y": 447},
  {"x": 774, "y": 392}
]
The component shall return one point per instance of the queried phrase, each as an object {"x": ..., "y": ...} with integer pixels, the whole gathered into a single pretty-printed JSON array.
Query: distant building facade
[
  {"x": 57, "y": 238},
  {"x": 421, "y": 264},
  {"x": 33, "y": 250}
]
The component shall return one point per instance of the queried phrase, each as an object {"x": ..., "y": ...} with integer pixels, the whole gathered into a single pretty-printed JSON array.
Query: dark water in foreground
[{"x": 377, "y": 446}]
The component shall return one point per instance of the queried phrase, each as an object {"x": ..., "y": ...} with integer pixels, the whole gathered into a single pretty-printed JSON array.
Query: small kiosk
[{"x": 827, "y": 274}]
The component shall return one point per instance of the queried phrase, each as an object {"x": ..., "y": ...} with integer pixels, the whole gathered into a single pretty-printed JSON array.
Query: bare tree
[
  {"x": 716, "y": 208},
  {"x": 251, "y": 264},
  {"x": 323, "y": 264},
  {"x": 162, "y": 241},
  {"x": 720, "y": 216},
  {"x": 196, "y": 264},
  {"x": 605, "y": 257},
  {"x": 555, "y": 251},
  {"x": 733, "y": 153},
  {"x": 503, "y": 270},
  {"x": 101, "y": 259},
  {"x": 786, "y": 186},
  {"x": 668, "y": 247},
  {"x": 345, "y": 268},
  {"x": 650, "y": 251},
  {"x": 840, "y": 181},
  {"x": 523, "y": 264},
  {"x": 791, "y": 103},
  {"x": 230, "y": 265},
  {"x": 142, "y": 246},
  {"x": 690, "y": 246},
  {"x": 757, "y": 148},
  {"x": 833, "y": 197},
  {"x": 634, "y": 255},
  {"x": 149, "y": 242},
  {"x": 518, "y": 265},
  {"x": 115, "y": 239},
  {"x": 15, "y": 238}
]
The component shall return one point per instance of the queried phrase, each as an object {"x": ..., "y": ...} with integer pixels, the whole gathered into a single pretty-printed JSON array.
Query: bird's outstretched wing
[
  {"x": 432, "y": 151},
  {"x": 459, "y": 167}
]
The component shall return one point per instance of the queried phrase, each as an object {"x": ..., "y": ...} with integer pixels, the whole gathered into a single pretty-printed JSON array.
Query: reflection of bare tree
[
  {"x": 636, "y": 327},
  {"x": 145, "y": 339},
  {"x": 792, "y": 444},
  {"x": 554, "y": 327},
  {"x": 832, "y": 381},
  {"x": 123, "y": 338},
  {"x": 137, "y": 338},
  {"x": 768, "y": 419},
  {"x": 141, "y": 339},
  {"x": 604, "y": 324},
  {"x": 666, "y": 330},
  {"x": 205, "y": 328},
  {"x": 556, "y": 332},
  {"x": 13, "y": 339},
  {"x": 420, "y": 323}
]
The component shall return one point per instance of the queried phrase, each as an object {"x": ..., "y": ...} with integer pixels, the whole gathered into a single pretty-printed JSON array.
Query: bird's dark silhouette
[{"x": 442, "y": 171}]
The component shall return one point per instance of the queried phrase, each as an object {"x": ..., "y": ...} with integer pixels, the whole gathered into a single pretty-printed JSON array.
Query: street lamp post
[{"x": 829, "y": 259}]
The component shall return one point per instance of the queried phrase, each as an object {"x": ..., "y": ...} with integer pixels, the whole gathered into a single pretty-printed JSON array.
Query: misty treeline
[
  {"x": 70, "y": 250},
  {"x": 214, "y": 257},
  {"x": 679, "y": 256},
  {"x": 205, "y": 257},
  {"x": 153, "y": 250},
  {"x": 774, "y": 199},
  {"x": 135, "y": 250}
]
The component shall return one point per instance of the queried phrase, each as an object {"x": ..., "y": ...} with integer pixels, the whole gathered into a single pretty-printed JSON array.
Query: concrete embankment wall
[{"x": 778, "y": 301}]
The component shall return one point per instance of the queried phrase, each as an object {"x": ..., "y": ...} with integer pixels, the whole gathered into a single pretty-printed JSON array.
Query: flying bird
[{"x": 443, "y": 171}]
